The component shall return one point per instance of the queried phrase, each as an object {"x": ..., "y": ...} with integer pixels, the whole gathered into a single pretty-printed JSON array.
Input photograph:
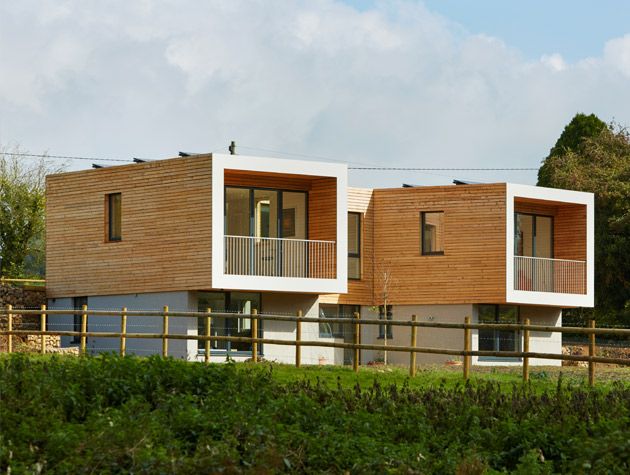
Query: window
[
  {"x": 533, "y": 235},
  {"x": 382, "y": 328},
  {"x": 432, "y": 231},
  {"x": 77, "y": 304},
  {"x": 337, "y": 330},
  {"x": 114, "y": 217},
  {"x": 228, "y": 302},
  {"x": 354, "y": 245},
  {"x": 498, "y": 340}
]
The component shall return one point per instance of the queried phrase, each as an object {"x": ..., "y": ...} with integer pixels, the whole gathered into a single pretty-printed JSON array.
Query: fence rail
[
  {"x": 280, "y": 257},
  {"x": 549, "y": 275},
  {"x": 356, "y": 322},
  {"x": 23, "y": 282}
]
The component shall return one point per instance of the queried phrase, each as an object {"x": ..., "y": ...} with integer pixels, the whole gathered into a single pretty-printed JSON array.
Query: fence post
[
  {"x": 412, "y": 354},
  {"x": 526, "y": 350},
  {"x": 165, "y": 332},
  {"x": 357, "y": 330},
  {"x": 254, "y": 335},
  {"x": 43, "y": 329},
  {"x": 83, "y": 329},
  {"x": 207, "y": 342},
  {"x": 298, "y": 338},
  {"x": 123, "y": 331},
  {"x": 591, "y": 353},
  {"x": 466, "y": 347},
  {"x": 10, "y": 327}
]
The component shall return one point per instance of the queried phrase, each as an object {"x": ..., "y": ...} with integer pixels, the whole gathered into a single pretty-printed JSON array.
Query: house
[{"x": 235, "y": 233}]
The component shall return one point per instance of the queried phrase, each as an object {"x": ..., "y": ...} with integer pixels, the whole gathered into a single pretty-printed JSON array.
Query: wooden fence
[{"x": 356, "y": 346}]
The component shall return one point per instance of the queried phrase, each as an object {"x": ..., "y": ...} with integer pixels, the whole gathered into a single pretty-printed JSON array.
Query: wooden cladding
[
  {"x": 166, "y": 240},
  {"x": 472, "y": 267},
  {"x": 569, "y": 225},
  {"x": 360, "y": 292}
]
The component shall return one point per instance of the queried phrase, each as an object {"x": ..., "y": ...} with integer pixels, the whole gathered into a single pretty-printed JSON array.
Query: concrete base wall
[
  {"x": 177, "y": 301},
  {"x": 289, "y": 304},
  {"x": 425, "y": 337}
]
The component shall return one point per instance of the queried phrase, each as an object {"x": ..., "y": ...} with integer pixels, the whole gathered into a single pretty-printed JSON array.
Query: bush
[{"x": 109, "y": 415}]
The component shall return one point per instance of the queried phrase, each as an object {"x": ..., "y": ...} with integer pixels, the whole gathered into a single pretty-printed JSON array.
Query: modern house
[{"x": 236, "y": 233}]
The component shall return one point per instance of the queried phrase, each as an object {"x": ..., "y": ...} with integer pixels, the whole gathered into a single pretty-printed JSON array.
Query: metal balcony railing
[
  {"x": 278, "y": 257},
  {"x": 539, "y": 274}
]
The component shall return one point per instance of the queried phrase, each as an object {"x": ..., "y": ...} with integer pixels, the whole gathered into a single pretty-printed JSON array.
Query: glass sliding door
[
  {"x": 266, "y": 252},
  {"x": 238, "y": 227},
  {"x": 234, "y": 303},
  {"x": 533, "y": 250},
  {"x": 266, "y": 232},
  {"x": 294, "y": 233}
]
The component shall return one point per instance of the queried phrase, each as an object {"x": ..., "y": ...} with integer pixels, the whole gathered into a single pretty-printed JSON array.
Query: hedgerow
[{"x": 109, "y": 414}]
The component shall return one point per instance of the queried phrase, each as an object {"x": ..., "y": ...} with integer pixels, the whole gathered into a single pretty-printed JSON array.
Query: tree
[
  {"x": 22, "y": 198},
  {"x": 581, "y": 126},
  {"x": 601, "y": 164}
]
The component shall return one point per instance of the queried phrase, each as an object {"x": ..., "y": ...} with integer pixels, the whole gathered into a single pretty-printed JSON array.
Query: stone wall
[{"x": 19, "y": 298}]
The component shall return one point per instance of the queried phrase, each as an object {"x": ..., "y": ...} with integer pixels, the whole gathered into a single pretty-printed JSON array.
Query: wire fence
[{"x": 241, "y": 331}]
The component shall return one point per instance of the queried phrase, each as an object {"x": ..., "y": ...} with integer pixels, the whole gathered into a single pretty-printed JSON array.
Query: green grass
[
  {"x": 109, "y": 414},
  {"x": 541, "y": 378}
]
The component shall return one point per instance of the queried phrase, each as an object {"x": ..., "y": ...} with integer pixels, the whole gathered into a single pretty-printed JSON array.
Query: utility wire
[
  {"x": 66, "y": 157},
  {"x": 419, "y": 169}
]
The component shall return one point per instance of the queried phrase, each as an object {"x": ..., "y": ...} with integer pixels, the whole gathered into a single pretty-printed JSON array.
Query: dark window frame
[
  {"x": 422, "y": 224},
  {"x": 383, "y": 326},
  {"x": 359, "y": 244},
  {"x": 534, "y": 216},
  {"x": 77, "y": 304},
  {"x": 110, "y": 213},
  {"x": 497, "y": 333},
  {"x": 227, "y": 300}
]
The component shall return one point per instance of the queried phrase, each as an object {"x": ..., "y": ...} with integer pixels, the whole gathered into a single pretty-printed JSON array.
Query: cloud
[{"x": 393, "y": 84}]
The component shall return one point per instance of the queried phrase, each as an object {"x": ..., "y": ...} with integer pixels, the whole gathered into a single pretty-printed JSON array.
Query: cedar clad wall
[
  {"x": 569, "y": 225},
  {"x": 360, "y": 292},
  {"x": 472, "y": 269},
  {"x": 166, "y": 229}
]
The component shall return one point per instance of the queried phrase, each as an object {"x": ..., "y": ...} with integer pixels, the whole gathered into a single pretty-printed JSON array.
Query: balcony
[
  {"x": 539, "y": 274},
  {"x": 280, "y": 257}
]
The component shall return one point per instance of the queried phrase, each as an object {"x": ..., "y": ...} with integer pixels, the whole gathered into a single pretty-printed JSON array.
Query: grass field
[{"x": 132, "y": 415}]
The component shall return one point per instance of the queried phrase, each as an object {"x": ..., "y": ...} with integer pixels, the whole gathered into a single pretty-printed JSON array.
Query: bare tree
[{"x": 384, "y": 281}]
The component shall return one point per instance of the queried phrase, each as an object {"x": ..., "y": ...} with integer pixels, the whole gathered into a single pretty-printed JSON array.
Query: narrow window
[
  {"x": 385, "y": 329},
  {"x": 354, "y": 245},
  {"x": 432, "y": 232},
  {"x": 114, "y": 217},
  {"x": 77, "y": 303}
]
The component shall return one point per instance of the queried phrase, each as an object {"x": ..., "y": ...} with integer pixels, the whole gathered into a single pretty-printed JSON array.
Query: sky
[{"x": 436, "y": 83}]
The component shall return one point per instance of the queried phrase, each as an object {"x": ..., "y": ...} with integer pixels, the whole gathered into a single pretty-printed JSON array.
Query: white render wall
[
  {"x": 425, "y": 337},
  {"x": 289, "y": 304},
  {"x": 177, "y": 301},
  {"x": 539, "y": 342},
  {"x": 453, "y": 338}
]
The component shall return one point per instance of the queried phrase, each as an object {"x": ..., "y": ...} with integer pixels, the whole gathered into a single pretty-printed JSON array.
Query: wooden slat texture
[
  {"x": 166, "y": 229},
  {"x": 472, "y": 269},
  {"x": 570, "y": 232},
  {"x": 268, "y": 180},
  {"x": 360, "y": 292}
]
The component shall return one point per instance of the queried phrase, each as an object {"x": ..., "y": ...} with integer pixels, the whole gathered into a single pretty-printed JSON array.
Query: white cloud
[
  {"x": 554, "y": 61},
  {"x": 396, "y": 84}
]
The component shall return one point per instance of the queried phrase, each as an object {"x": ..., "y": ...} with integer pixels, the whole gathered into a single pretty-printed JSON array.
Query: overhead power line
[
  {"x": 66, "y": 157},
  {"x": 444, "y": 169},
  {"x": 367, "y": 168}
]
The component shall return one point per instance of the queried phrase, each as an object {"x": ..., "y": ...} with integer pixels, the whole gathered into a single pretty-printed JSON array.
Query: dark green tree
[
  {"x": 22, "y": 198},
  {"x": 581, "y": 126},
  {"x": 600, "y": 164}
]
